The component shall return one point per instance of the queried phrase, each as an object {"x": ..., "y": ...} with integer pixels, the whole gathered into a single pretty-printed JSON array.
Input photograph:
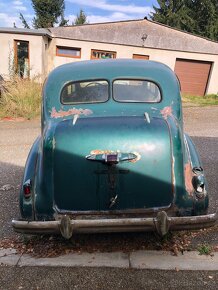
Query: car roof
[{"x": 111, "y": 69}]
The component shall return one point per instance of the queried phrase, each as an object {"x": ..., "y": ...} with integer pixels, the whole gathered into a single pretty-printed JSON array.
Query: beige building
[
  {"x": 36, "y": 52},
  {"x": 25, "y": 51}
]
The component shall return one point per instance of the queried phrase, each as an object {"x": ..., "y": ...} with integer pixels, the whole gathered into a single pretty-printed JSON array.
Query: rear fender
[
  {"x": 27, "y": 204},
  {"x": 200, "y": 199}
]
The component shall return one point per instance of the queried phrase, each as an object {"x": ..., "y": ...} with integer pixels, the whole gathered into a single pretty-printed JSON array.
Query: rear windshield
[
  {"x": 85, "y": 92},
  {"x": 136, "y": 91}
]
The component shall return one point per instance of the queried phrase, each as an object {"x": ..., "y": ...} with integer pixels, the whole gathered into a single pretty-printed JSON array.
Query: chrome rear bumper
[{"x": 161, "y": 223}]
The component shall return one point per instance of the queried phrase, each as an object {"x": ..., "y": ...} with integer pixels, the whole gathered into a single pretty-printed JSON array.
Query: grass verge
[
  {"x": 20, "y": 98},
  {"x": 207, "y": 100}
]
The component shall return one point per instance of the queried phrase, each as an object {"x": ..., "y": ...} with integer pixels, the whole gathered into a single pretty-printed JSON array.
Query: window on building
[
  {"x": 21, "y": 58},
  {"x": 68, "y": 51},
  {"x": 102, "y": 54},
  {"x": 140, "y": 56}
]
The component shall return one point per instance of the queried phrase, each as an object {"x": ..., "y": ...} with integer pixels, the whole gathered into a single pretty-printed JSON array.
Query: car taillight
[
  {"x": 27, "y": 189},
  {"x": 199, "y": 186}
]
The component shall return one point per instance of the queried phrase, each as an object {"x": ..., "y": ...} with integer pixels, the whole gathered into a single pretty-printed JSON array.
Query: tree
[
  {"x": 63, "y": 21},
  {"x": 196, "y": 16},
  {"x": 48, "y": 13},
  {"x": 174, "y": 13},
  {"x": 205, "y": 15},
  {"x": 23, "y": 20},
  {"x": 81, "y": 18}
]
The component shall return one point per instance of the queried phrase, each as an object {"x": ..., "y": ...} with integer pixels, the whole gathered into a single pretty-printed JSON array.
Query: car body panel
[{"x": 133, "y": 182}]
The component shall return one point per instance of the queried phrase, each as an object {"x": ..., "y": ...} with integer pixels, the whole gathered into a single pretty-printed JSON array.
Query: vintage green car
[{"x": 112, "y": 155}]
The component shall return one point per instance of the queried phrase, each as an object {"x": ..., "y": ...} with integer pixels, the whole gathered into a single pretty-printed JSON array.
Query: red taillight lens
[{"x": 27, "y": 189}]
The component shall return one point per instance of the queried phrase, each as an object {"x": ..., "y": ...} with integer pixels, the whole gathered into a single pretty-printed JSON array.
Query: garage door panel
[
  {"x": 193, "y": 75},
  {"x": 183, "y": 65},
  {"x": 192, "y": 81},
  {"x": 194, "y": 63},
  {"x": 195, "y": 87},
  {"x": 195, "y": 70}
]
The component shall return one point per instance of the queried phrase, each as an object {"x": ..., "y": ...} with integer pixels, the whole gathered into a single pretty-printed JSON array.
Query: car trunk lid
[{"x": 113, "y": 163}]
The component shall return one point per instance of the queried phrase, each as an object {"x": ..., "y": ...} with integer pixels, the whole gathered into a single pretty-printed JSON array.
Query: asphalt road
[{"x": 46, "y": 278}]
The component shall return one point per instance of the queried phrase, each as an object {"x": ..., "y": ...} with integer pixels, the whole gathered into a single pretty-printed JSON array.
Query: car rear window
[
  {"x": 140, "y": 91},
  {"x": 96, "y": 91}
]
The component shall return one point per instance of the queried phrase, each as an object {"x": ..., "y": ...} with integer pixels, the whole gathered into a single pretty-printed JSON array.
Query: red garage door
[{"x": 193, "y": 75}]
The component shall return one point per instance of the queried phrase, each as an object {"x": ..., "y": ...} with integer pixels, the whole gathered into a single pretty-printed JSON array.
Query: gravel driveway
[{"x": 16, "y": 139}]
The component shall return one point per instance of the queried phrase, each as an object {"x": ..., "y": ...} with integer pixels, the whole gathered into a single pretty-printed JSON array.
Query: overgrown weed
[
  {"x": 204, "y": 249},
  {"x": 21, "y": 98}
]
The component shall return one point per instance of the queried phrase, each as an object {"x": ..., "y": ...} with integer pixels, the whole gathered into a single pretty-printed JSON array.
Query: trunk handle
[{"x": 112, "y": 158}]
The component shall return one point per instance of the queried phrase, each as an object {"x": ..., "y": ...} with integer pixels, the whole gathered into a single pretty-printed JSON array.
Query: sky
[{"x": 96, "y": 10}]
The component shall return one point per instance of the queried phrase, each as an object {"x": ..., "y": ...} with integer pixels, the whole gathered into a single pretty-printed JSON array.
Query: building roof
[
  {"x": 141, "y": 33},
  {"x": 37, "y": 32}
]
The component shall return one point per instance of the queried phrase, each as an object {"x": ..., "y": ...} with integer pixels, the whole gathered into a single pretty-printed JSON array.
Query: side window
[{"x": 102, "y": 54}]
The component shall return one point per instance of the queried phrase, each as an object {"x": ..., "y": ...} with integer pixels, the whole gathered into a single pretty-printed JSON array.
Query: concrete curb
[
  {"x": 137, "y": 260},
  {"x": 166, "y": 261}
]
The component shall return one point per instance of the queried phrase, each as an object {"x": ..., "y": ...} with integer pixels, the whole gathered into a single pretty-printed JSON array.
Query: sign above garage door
[{"x": 193, "y": 76}]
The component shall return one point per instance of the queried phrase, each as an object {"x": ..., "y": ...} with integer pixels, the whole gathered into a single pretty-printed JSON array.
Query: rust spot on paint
[
  {"x": 166, "y": 112},
  {"x": 188, "y": 178},
  {"x": 71, "y": 112}
]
